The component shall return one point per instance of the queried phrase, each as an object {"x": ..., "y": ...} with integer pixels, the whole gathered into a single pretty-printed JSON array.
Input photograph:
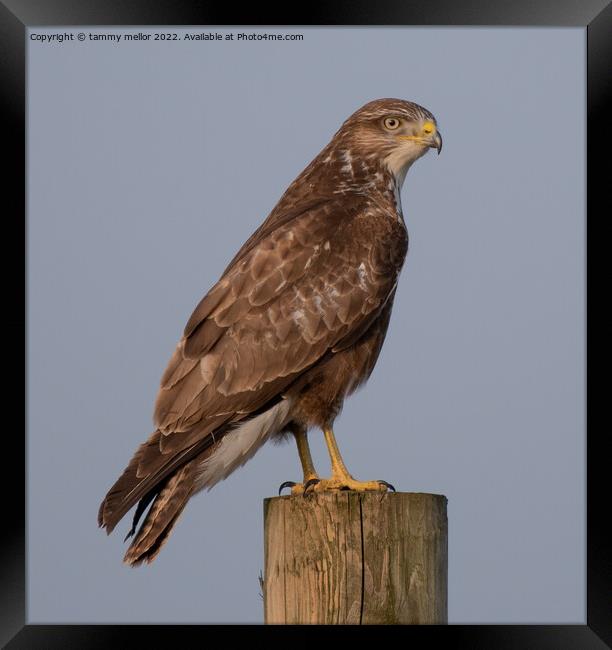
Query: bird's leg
[
  {"x": 338, "y": 467},
  {"x": 340, "y": 478},
  {"x": 310, "y": 474}
]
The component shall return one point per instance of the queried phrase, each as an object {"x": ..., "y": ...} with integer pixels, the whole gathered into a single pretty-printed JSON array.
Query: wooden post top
[
  {"x": 356, "y": 557},
  {"x": 334, "y": 495}
]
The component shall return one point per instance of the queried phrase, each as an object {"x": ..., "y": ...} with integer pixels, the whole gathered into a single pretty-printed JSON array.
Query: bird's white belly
[{"x": 240, "y": 444}]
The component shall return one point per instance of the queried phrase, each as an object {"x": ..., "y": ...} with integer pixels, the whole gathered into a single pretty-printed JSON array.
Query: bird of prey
[{"x": 293, "y": 326}]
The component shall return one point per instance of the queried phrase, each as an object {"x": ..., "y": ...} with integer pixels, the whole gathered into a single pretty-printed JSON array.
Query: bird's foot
[
  {"x": 299, "y": 488},
  {"x": 336, "y": 483}
]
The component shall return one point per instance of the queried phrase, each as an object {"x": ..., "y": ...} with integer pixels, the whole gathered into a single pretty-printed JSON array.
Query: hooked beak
[
  {"x": 433, "y": 140},
  {"x": 436, "y": 142}
]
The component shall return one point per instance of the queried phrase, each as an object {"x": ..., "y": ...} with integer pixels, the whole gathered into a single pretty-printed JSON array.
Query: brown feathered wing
[{"x": 310, "y": 280}]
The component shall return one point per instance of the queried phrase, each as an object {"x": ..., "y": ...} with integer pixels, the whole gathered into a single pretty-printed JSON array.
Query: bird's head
[{"x": 393, "y": 132}]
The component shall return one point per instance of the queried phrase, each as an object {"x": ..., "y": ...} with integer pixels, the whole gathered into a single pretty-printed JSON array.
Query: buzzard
[{"x": 293, "y": 326}]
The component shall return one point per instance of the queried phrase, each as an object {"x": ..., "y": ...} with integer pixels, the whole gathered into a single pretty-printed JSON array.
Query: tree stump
[{"x": 356, "y": 558}]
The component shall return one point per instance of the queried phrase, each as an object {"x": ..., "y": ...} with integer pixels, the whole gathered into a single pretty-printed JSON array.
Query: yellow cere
[{"x": 429, "y": 128}]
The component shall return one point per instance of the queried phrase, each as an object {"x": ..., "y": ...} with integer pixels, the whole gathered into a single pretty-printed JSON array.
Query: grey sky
[{"x": 151, "y": 163}]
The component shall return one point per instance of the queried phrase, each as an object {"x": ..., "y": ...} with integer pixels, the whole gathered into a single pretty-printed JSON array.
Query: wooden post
[{"x": 356, "y": 558}]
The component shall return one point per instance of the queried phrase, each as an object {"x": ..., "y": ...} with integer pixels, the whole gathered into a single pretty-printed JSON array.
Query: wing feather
[
  {"x": 309, "y": 281},
  {"x": 306, "y": 286}
]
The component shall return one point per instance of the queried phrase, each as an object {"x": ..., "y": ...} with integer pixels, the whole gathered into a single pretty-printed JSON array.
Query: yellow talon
[
  {"x": 336, "y": 483},
  {"x": 340, "y": 478}
]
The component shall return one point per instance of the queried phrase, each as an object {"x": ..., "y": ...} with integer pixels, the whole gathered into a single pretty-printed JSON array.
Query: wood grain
[{"x": 356, "y": 558}]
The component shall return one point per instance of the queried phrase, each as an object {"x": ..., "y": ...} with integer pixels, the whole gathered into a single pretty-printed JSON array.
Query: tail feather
[
  {"x": 162, "y": 516},
  {"x": 143, "y": 478},
  {"x": 142, "y": 506},
  {"x": 124, "y": 493},
  {"x": 164, "y": 480}
]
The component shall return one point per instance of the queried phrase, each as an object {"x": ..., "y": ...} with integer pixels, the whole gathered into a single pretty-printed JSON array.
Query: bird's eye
[{"x": 391, "y": 123}]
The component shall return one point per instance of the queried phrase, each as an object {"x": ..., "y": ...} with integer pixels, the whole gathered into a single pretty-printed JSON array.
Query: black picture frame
[{"x": 18, "y": 15}]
